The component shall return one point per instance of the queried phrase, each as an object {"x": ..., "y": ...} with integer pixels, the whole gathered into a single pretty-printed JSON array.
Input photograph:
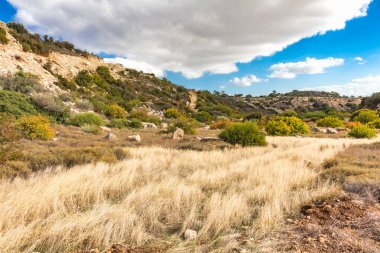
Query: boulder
[
  {"x": 178, "y": 134},
  {"x": 134, "y": 138},
  {"x": 148, "y": 125},
  {"x": 164, "y": 125},
  {"x": 105, "y": 129},
  {"x": 110, "y": 136},
  {"x": 190, "y": 235},
  {"x": 331, "y": 130},
  {"x": 319, "y": 130}
]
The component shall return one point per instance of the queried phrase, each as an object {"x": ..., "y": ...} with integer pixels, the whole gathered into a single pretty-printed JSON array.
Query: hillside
[{"x": 57, "y": 64}]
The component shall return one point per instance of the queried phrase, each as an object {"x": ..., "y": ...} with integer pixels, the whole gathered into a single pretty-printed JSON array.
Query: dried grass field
[{"x": 154, "y": 195}]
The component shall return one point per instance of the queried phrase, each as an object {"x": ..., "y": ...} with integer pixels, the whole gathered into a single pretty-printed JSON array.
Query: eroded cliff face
[{"x": 14, "y": 59}]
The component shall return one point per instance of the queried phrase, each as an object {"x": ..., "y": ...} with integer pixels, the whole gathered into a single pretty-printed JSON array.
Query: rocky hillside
[{"x": 62, "y": 69}]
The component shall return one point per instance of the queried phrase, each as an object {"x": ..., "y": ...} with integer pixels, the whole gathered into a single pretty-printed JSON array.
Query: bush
[
  {"x": 278, "y": 128},
  {"x": 203, "y": 117},
  {"x": 8, "y": 139},
  {"x": 374, "y": 124},
  {"x": 289, "y": 113},
  {"x": 16, "y": 104},
  {"x": 35, "y": 127},
  {"x": 330, "y": 122},
  {"x": 187, "y": 125},
  {"x": 173, "y": 113},
  {"x": 365, "y": 116},
  {"x": 352, "y": 124},
  {"x": 87, "y": 118},
  {"x": 22, "y": 82},
  {"x": 282, "y": 125},
  {"x": 314, "y": 116},
  {"x": 3, "y": 36},
  {"x": 115, "y": 112},
  {"x": 255, "y": 116},
  {"x": 53, "y": 106},
  {"x": 118, "y": 123},
  {"x": 144, "y": 116},
  {"x": 84, "y": 79},
  {"x": 91, "y": 129},
  {"x": 245, "y": 134},
  {"x": 221, "y": 124},
  {"x": 363, "y": 132},
  {"x": 135, "y": 123}
]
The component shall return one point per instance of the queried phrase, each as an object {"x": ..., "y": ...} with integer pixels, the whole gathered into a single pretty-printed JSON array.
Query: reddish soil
[{"x": 343, "y": 225}]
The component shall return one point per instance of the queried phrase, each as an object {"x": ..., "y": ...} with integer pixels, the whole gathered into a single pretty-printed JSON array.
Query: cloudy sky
[{"x": 238, "y": 46}]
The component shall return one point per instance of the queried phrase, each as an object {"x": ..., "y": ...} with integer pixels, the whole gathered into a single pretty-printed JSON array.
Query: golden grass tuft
[{"x": 157, "y": 193}]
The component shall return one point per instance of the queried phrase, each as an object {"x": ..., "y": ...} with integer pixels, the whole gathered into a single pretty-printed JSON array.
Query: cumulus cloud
[
  {"x": 145, "y": 67},
  {"x": 358, "y": 87},
  {"x": 360, "y": 60},
  {"x": 188, "y": 36},
  {"x": 245, "y": 81},
  {"x": 311, "y": 66}
]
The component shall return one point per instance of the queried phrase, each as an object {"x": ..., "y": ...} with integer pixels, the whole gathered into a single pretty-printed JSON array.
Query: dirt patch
[{"x": 117, "y": 248}]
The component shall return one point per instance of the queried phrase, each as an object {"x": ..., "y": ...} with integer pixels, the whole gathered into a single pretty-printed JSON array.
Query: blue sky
[{"x": 360, "y": 38}]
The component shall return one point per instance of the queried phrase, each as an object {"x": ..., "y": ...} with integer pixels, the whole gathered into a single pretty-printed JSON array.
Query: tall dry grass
[{"x": 157, "y": 193}]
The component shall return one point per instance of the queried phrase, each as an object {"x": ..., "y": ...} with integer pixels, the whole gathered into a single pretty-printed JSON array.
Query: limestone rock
[{"x": 179, "y": 134}]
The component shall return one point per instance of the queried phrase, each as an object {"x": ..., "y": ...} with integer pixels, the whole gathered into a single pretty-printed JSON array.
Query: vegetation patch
[
  {"x": 3, "y": 36},
  {"x": 363, "y": 132},
  {"x": 286, "y": 125},
  {"x": 35, "y": 127},
  {"x": 88, "y": 118},
  {"x": 245, "y": 134},
  {"x": 330, "y": 122}
]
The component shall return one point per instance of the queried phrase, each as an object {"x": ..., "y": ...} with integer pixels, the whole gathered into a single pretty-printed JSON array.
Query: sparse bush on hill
[
  {"x": 52, "y": 105},
  {"x": 143, "y": 115},
  {"x": 8, "y": 139},
  {"x": 118, "y": 123},
  {"x": 255, "y": 116},
  {"x": 173, "y": 113},
  {"x": 16, "y": 104},
  {"x": 363, "y": 132},
  {"x": 245, "y": 134},
  {"x": 65, "y": 84},
  {"x": 91, "y": 129},
  {"x": 22, "y": 82},
  {"x": 88, "y": 118},
  {"x": 3, "y": 36},
  {"x": 281, "y": 126},
  {"x": 203, "y": 117},
  {"x": 188, "y": 125},
  {"x": 289, "y": 113},
  {"x": 365, "y": 116},
  {"x": 278, "y": 128},
  {"x": 372, "y": 101},
  {"x": 221, "y": 124},
  {"x": 374, "y": 124},
  {"x": 135, "y": 123},
  {"x": 115, "y": 112},
  {"x": 35, "y": 127},
  {"x": 330, "y": 122}
]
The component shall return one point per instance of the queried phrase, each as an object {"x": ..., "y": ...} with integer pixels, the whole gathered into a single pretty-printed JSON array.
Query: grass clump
[
  {"x": 91, "y": 129},
  {"x": 330, "y": 122},
  {"x": 35, "y": 127},
  {"x": 363, "y": 132},
  {"x": 245, "y": 134},
  {"x": 87, "y": 118},
  {"x": 135, "y": 123}
]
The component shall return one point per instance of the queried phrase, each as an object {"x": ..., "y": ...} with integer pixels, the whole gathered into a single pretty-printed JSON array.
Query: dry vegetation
[{"x": 156, "y": 193}]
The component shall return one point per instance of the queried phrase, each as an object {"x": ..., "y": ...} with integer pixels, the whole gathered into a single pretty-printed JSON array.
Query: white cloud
[
  {"x": 187, "y": 36},
  {"x": 246, "y": 81},
  {"x": 357, "y": 87},
  {"x": 311, "y": 66},
  {"x": 145, "y": 67},
  {"x": 360, "y": 60}
]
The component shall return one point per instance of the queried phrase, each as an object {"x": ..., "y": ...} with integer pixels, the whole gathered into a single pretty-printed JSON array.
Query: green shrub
[
  {"x": 135, "y": 123},
  {"x": 363, "y": 132},
  {"x": 88, "y": 118},
  {"x": 115, "y": 112},
  {"x": 22, "y": 82},
  {"x": 8, "y": 139},
  {"x": 173, "y": 113},
  {"x": 187, "y": 125},
  {"x": 65, "y": 84},
  {"x": 365, "y": 116},
  {"x": 91, "y": 129},
  {"x": 35, "y": 127},
  {"x": 374, "y": 124},
  {"x": 281, "y": 126},
  {"x": 144, "y": 116},
  {"x": 245, "y": 134},
  {"x": 314, "y": 116},
  {"x": 118, "y": 123},
  {"x": 330, "y": 122},
  {"x": 203, "y": 117},
  {"x": 84, "y": 79},
  {"x": 53, "y": 106},
  {"x": 278, "y": 128},
  {"x": 255, "y": 116},
  {"x": 289, "y": 113},
  {"x": 16, "y": 104},
  {"x": 3, "y": 36}
]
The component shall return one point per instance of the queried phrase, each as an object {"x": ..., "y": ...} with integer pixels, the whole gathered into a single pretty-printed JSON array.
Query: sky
[{"x": 241, "y": 46}]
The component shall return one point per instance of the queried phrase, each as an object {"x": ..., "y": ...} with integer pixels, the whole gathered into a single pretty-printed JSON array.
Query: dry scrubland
[{"x": 156, "y": 193}]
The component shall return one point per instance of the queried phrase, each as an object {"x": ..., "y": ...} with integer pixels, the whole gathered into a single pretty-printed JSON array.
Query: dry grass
[{"x": 157, "y": 193}]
